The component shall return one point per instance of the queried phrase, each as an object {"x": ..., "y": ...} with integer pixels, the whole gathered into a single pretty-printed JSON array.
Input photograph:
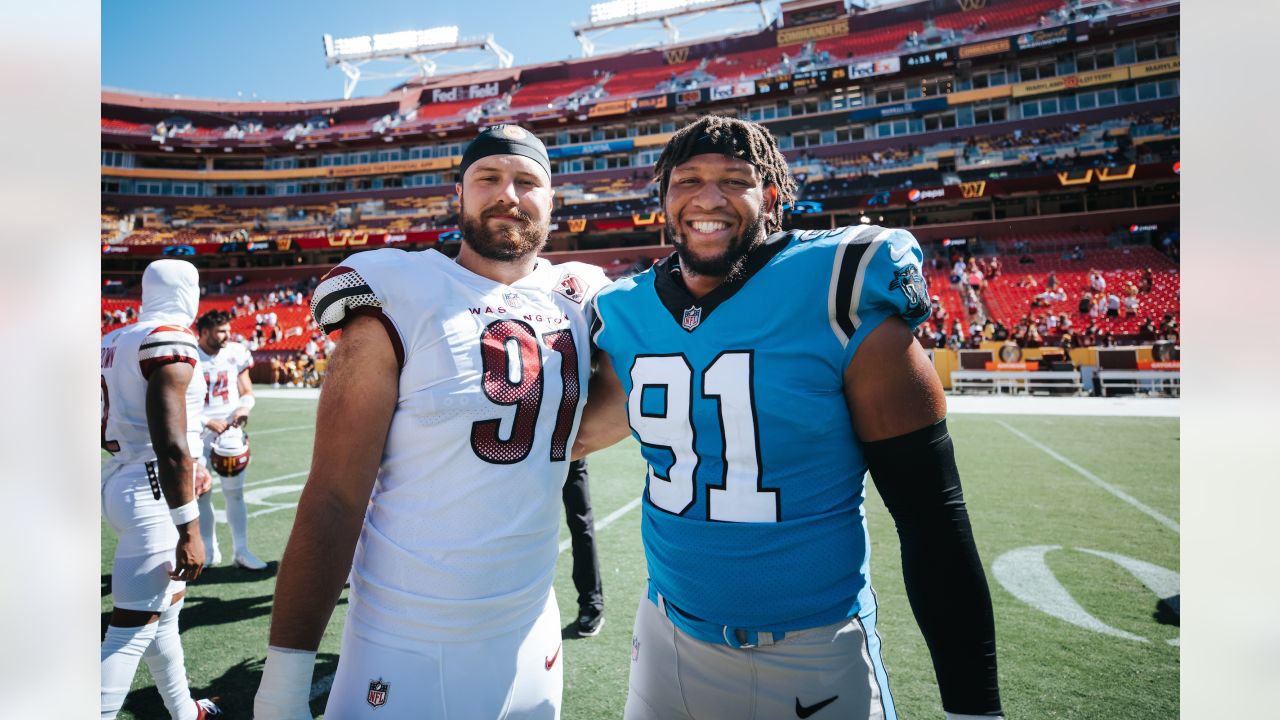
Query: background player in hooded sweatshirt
[
  {"x": 151, "y": 401},
  {"x": 763, "y": 373},
  {"x": 453, "y": 397},
  {"x": 228, "y": 401}
]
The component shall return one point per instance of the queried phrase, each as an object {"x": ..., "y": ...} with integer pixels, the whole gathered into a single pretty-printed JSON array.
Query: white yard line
[
  {"x": 1142, "y": 507},
  {"x": 256, "y": 433}
]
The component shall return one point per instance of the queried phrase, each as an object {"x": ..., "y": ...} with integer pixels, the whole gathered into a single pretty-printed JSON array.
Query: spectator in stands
[
  {"x": 1113, "y": 305},
  {"x": 1000, "y": 333},
  {"x": 994, "y": 268},
  {"x": 1033, "y": 338},
  {"x": 957, "y": 272},
  {"x": 1147, "y": 331},
  {"x": 1147, "y": 281},
  {"x": 1097, "y": 283},
  {"x": 1077, "y": 253},
  {"x": 976, "y": 280},
  {"x": 1051, "y": 282},
  {"x": 924, "y": 334}
]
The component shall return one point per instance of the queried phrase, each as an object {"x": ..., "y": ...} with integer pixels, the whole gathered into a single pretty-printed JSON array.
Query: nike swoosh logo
[
  {"x": 896, "y": 253},
  {"x": 804, "y": 712},
  {"x": 552, "y": 660}
]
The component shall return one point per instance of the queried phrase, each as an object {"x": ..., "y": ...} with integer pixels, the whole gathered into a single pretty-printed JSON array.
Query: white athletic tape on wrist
[
  {"x": 247, "y": 402},
  {"x": 286, "y": 678},
  {"x": 186, "y": 513}
]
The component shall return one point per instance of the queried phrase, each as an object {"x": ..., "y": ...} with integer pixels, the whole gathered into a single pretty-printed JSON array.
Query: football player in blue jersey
[{"x": 764, "y": 372}]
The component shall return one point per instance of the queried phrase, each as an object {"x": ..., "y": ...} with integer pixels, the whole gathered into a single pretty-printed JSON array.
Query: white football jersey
[
  {"x": 129, "y": 356},
  {"x": 222, "y": 376},
  {"x": 461, "y": 537}
]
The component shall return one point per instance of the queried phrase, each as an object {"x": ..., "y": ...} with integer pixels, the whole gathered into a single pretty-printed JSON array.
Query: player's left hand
[{"x": 240, "y": 417}]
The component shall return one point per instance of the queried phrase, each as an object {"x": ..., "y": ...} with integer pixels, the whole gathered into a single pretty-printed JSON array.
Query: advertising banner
[
  {"x": 805, "y": 33},
  {"x": 883, "y": 66},
  {"x": 609, "y": 107},
  {"x": 990, "y": 47},
  {"x": 1070, "y": 82},
  {"x": 595, "y": 148},
  {"x": 906, "y": 108},
  {"x": 1046, "y": 38},
  {"x": 1158, "y": 67}
]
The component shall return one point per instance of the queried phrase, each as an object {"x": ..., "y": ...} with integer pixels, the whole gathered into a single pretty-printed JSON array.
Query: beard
[
  {"x": 507, "y": 243},
  {"x": 728, "y": 264}
]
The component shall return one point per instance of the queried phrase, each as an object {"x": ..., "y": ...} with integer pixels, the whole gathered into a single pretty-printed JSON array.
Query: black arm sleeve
[{"x": 917, "y": 479}]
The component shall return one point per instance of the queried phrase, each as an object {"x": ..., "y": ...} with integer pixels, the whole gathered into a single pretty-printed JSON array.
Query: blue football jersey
[{"x": 752, "y": 513}]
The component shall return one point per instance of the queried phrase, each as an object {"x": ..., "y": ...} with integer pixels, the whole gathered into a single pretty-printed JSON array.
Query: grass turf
[{"x": 1018, "y": 496}]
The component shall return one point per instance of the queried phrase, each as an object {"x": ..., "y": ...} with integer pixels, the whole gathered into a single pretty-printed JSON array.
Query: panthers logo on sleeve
[{"x": 910, "y": 283}]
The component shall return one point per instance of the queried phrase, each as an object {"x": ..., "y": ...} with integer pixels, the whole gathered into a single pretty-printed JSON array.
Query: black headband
[
  {"x": 721, "y": 143},
  {"x": 505, "y": 140}
]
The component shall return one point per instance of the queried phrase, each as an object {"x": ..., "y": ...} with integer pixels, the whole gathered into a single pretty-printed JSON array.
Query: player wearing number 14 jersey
[
  {"x": 453, "y": 397},
  {"x": 763, "y": 373},
  {"x": 227, "y": 402}
]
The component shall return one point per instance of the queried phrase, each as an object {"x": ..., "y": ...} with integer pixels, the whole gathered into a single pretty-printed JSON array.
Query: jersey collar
[{"x": 688, "y": 311}]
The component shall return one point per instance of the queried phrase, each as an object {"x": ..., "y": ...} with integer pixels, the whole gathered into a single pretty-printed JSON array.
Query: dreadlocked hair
[{"x": 741, "y": 139}]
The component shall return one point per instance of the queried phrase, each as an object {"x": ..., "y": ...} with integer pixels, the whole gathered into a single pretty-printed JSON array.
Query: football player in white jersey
[
  {"x": 151, "y": 400},
  {"x": 442, "y": 443},
  {"x": 227, "y": 402}
]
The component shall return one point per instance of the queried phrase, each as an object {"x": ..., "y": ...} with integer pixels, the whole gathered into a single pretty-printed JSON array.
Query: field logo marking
[
  {"x": 1151, "y": 512},
  {"x": 258, "y": 496},
  {"x": 1025, "y": 574}
]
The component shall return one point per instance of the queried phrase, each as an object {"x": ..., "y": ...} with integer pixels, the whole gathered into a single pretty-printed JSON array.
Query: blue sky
[{"x": 271, "y": 49}]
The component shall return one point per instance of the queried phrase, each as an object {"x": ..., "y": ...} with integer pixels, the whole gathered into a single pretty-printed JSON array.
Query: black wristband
[{"x": 917, "y": 478}]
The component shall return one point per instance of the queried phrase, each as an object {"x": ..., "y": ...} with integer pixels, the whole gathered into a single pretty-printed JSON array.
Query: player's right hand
[
  {"x": 188, "y": 558},
  {"x": 203, "y": 480},
  {"x": 217, "y": 426}
]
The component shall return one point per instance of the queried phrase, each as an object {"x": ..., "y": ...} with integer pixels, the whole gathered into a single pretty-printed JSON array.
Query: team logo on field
[
  {"x": 692, "y": 318},
  {"x": 513, "y": 300},
  {"x": 572, "y": 287},
  {"x": 377, "y": 696},
  {"x": 911, "y": 284}
]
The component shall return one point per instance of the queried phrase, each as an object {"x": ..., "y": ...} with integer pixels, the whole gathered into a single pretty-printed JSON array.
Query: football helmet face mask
[{"x": 230, "y": 453}]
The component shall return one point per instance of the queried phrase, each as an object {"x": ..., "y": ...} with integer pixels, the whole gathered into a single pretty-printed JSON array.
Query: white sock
[
  {"x": 237, "y": 516},
  {"x": 168, "y": 666},
  {"x": 208, "y": 523},
  {"x": 121, "y": 650}
]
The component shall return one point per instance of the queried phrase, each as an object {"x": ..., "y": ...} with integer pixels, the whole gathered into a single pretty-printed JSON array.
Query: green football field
[{"x": 1076, "y": 519}]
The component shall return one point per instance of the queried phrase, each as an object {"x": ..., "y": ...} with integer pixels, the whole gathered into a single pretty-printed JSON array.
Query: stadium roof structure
[
  {"x": 617, "y": 14},
  {"x": 419, "y": 47}
]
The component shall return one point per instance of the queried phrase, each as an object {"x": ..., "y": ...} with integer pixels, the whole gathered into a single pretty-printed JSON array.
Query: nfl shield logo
[
  {"x": 692, "y": 318},
  {"x": 377, "y": 696},
  {"x": 513, "y": 299}
]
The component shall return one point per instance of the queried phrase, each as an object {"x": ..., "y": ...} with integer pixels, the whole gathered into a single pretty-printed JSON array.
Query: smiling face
[
  {"x": 215, "y": 338},
  {"x": 505, "y": 207},
  {"x": 715, "y": 208}
]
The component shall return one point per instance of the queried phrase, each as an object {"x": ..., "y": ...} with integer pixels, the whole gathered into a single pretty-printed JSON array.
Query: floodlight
[{"x": 618, "y": 9}]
